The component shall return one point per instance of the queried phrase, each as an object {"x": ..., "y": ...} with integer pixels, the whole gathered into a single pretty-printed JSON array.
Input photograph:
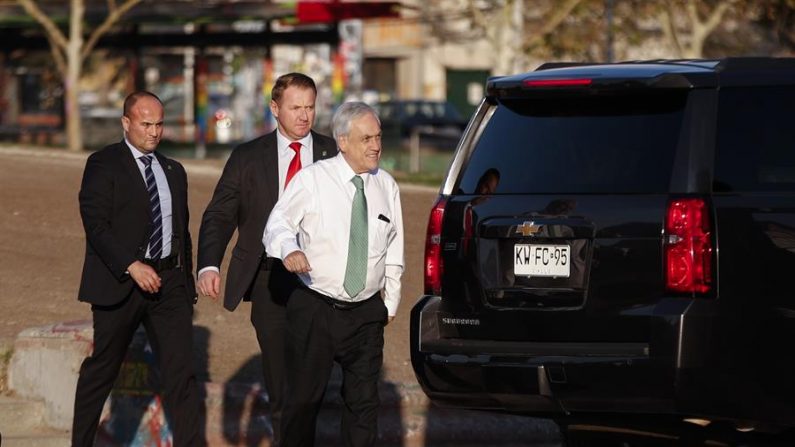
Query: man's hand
[
  {"x": 296, "y": 262},
  {"x": 145, "y": 276},
  {"x": 210, "y": 284}
]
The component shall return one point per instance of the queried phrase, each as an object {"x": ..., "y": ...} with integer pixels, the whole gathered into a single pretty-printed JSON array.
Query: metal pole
[
  {"x": 189, "y": 111},
  {"x": 414, "y": 150},
  {"x": 200, "y": 99}
]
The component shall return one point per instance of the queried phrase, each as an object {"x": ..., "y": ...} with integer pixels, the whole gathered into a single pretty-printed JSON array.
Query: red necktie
[{"x": 295, "y": 163}]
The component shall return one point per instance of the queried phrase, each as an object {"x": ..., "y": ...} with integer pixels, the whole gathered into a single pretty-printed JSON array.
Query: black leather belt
[
  {"x": 339, "y": 304},
  {"x": 163, "y": 264}
]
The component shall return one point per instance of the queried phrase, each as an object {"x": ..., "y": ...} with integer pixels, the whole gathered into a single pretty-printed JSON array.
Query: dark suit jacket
[
  {"x": 243, "y": 199},
  {"x": 114, "y": 205}
]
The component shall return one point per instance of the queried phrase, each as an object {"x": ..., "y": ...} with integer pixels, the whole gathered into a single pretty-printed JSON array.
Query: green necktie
[{"x": 356, "y": 269}]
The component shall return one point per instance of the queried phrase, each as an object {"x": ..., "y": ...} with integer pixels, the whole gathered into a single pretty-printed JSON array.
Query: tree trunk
[
  {"x": 74, "y": 59},
  {"x": 74, "y": 135}
]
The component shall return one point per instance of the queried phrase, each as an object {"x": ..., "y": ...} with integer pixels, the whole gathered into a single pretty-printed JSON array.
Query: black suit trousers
[
  {"x": 269, "y": 294},
  {"x": 167, "y": 318},
  {"x": 319, "y": 335}
]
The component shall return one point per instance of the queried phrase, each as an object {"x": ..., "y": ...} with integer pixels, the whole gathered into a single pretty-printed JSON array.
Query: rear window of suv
[
  {"x": 755, "y": 148},
  {"x": 595, "y": 144}
]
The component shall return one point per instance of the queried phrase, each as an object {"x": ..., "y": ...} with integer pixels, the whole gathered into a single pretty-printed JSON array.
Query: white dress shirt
[
  {"x": 162, "y": 191},
  {"x": 317, "y": 207}
]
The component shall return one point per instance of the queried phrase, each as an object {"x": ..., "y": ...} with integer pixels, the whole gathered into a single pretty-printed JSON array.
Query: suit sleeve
[
  {"x": 96, "y": 209},
  {"x": 188, "y": 244},
  {"x": 188, "y": 241},
  {"x": 220, "y": 218}
]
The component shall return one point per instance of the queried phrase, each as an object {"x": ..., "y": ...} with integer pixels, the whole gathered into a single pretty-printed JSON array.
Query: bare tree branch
[
  {"x": 701, "y": 29},
  {"x": 717, "y": 15},
  {"x": 559, "y": 14},
  {"x": 479, "y": 19},
  {"x": 60, "y": 60},
  {"x": 51, "y": 29},
  {"x": 113, "y": 16},
  {"x": 669, "y": 28},
  {"x": 692, "y": 12}
]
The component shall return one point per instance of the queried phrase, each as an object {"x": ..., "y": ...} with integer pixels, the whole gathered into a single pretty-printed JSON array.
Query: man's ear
[
  {"x": 275, "y": 109},
  {"x": 342, "y": 143},
  {"x": 125, "y": 123}
]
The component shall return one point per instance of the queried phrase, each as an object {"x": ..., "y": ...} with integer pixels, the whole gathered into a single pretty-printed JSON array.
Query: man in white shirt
[{"x": 349, "y": 247}]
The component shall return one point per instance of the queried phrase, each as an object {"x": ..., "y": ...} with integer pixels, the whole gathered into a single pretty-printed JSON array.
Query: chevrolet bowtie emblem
[{"x": 528, "y": 228}]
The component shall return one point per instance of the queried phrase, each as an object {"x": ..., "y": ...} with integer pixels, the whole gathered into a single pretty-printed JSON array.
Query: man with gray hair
[{"x": 343, "y": 208}]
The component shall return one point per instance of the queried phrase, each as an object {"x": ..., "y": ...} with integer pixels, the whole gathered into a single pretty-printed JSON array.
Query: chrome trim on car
[{"x": 471, "y": 134}]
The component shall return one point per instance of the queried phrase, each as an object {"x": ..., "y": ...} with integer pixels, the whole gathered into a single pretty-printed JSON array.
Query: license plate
[{"x": 542, "y": 260}]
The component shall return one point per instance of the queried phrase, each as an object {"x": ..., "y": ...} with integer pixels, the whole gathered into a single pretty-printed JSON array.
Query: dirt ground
[{"x": 42, "y": 246}]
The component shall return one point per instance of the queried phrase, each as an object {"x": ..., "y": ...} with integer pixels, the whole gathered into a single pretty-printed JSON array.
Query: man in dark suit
[
  {"x": 137, "y": 270},
  {"x": 252, "y": 181}
]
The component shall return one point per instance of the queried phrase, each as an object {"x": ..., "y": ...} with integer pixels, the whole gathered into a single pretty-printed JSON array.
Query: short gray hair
[{"x": 347, "y": 112}]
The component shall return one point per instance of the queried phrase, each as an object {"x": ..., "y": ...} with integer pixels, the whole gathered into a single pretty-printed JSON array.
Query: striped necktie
[
  {"x": 356, "y": 269},
  {"x": 156, "y": 238}
]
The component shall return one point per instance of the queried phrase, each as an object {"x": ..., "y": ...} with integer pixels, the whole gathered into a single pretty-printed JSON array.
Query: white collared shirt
[
  {"x": 317, "y": 207},
  {"x": 286, "y": 155},
  {"x": 162, "y": 191}
]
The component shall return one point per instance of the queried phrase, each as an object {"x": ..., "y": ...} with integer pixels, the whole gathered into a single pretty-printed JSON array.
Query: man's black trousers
[
  {"x": 320, "y": 334},
  {"x": 167, "y": 318}
]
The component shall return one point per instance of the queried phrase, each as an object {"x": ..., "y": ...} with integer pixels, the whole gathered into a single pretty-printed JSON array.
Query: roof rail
[
  {"x": 724, "y": 65},
  {"x": 747, "y": 64},
  {"x": 551, "y": 65}
]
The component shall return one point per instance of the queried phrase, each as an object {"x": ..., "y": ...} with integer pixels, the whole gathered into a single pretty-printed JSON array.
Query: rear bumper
[
  {"x": 549, "y": 379},
  {"x": 541, "y": 387}
]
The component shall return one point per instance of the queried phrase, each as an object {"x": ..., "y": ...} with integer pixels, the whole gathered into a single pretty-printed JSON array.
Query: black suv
[{"x": 618, "y": 239}]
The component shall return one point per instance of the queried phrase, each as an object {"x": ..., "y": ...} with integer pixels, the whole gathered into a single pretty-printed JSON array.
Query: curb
[{"x": 45, "y": 365}]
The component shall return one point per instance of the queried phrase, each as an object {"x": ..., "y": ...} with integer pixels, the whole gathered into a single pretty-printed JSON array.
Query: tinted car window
[
  {"x": 431, "y": 110},
  {"x": 598, "y": 144},
  {"x": 755, "y": 151},
  {"x": 419, "y": 111}
]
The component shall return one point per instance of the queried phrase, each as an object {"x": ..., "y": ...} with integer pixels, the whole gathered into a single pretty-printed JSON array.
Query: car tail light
[
  {"x": 574, "y": 82},
  {"x": 688, "y": 246},
  {"x": 433, "y": 249}
]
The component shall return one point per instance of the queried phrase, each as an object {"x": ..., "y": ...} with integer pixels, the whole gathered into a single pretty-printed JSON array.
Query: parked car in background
[
  {"x": 437, "y": 123},
  {"x": 618, "y": 239}
]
